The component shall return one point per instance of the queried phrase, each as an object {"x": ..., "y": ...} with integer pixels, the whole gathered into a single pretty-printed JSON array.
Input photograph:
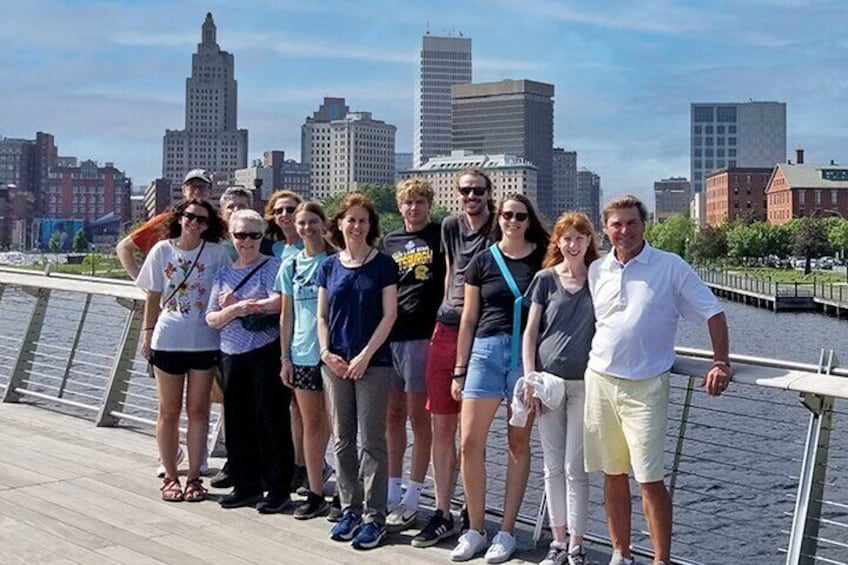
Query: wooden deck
[{"x": 74, "y": 493}]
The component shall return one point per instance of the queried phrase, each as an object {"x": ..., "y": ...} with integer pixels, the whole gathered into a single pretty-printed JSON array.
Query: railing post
[
  {"x": 73, "y": 353},
  {"x": 803, "y": 539},
  {"x": 681, "y": 435},
  {"x": 23, "y": 362},
  {"x": 119, "y": 376}
]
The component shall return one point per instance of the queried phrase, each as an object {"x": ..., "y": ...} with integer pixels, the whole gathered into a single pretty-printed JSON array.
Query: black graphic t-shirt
[{"x": 421, "y": 272}]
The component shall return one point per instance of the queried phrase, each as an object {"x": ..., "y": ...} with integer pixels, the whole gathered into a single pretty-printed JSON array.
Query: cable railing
[{"x": 756, "y": 476}]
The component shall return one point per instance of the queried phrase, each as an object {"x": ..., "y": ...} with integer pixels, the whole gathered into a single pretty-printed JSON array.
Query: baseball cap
[{"x": 198, "y": 174}]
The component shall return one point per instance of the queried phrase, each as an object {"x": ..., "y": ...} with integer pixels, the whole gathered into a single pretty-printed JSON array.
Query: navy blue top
[{"x": 355, "y": 298}]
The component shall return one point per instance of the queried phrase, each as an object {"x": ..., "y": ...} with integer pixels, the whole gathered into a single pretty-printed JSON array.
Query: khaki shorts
[{"x": 625, "y": 422}]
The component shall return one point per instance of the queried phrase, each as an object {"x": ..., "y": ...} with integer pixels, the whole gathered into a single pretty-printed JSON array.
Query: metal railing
[
  {"x": 765, "y": 287},
  {"x": 756, "y": 475}
]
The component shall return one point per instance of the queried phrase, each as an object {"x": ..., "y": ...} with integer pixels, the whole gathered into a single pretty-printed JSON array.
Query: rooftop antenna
[{"x": 427, "y": 28}]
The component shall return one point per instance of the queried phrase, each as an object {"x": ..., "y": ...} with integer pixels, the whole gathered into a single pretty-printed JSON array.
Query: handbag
[
  {"x": 517, "y": 305},
  {"x": 256, "y": 322}
]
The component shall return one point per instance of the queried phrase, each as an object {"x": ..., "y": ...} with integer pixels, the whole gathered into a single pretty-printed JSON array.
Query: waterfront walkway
[{"x": 74, "y": 493}]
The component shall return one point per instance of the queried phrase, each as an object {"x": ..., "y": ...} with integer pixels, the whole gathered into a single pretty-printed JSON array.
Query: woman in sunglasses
[
  {"x": 177, "y": 275},
  {"x": 488, "y": 364},
  {"x": 301, "y": 365},
  {"x": 281, "y": 231},
  {"x": 245, "y": 307}
]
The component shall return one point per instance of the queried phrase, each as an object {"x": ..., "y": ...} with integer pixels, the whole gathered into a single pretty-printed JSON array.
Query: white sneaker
[
  {"x": 618, "y": 559},
  {"x": 470, "y": 544},
  {"x": 502, "y": 548},
  {"x": 160, "y": 470},
  {"x": 401, "y": 519}
]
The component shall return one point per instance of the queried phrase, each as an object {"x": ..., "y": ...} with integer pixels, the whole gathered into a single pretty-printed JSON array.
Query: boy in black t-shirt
[{"x": 416, "y": 248}]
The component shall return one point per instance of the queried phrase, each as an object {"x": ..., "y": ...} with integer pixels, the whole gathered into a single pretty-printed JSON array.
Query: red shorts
[{"x": 437, "y": 377}]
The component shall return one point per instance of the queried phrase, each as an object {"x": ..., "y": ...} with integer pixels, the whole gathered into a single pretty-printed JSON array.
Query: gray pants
[{"x": 360, "y": 406}]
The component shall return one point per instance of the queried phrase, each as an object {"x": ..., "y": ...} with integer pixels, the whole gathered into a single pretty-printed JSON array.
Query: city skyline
[{"x": 107, "y": 80}]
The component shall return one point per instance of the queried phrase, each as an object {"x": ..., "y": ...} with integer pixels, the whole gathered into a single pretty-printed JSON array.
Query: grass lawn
[
  {"x": 788, "y": 275},
  {"x": 104, "y": 266}
]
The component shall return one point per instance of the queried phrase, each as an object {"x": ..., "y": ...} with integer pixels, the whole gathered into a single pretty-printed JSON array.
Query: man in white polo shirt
[{"x": 639, "y": 293}]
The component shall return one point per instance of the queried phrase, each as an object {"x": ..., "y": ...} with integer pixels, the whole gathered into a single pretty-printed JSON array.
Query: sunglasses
[
  {"x": 247, "y": 234},
  {"x": 518, "y": 216},
  {"x": 289, "y": 209},
  {"x": 194, "y": 217},
  {"x": 477, "y": 190}
]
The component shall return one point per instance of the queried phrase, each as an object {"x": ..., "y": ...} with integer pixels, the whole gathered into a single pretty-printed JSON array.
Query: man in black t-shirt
[
  {"x": 463, "y": 236},
  {"x": 416, "y": 248}
]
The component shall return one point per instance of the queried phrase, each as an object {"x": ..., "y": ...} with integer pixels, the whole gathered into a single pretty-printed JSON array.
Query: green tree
[
  {"x": 54, "y": 244},
  {"x": 837, "y": 235},
  {"x": 709, "y": 244},
  {"x": 79, "y": 243},
  {"x": 385, "y": 202},
  {"x": 91, "y": 262},
  {"x": 779, "y": 240},
  {"x": 811, "y": 240},
  {"x": 673, "y": 235}
]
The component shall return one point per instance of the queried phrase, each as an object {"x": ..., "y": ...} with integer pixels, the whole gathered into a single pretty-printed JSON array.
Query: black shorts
[
  {"x": 180, "y": 362},
  {"x": 307, "y": 378}
]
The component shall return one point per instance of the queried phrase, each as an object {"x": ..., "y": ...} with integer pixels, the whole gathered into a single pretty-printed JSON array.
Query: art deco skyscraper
[
  {"x": 445, "y": 61},
  {"x": 211, "y": 139}
]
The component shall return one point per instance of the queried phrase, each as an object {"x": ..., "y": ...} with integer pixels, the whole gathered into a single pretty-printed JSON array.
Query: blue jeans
[{"x": 489, "y": 374}]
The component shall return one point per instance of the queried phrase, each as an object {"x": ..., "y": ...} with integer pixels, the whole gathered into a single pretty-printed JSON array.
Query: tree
[
  {"x": 837, "y": 235},
  {"x": 673, "y": 235},
  {"x": 80, "y": 243},
  {"x": 54, "y": 244},
  {"x": 709, "y": 244},
  {"x": 810, "y": 240}
]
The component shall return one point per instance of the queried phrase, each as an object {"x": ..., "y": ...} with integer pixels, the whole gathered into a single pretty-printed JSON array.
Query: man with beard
[{"x": 463, "y": 236}]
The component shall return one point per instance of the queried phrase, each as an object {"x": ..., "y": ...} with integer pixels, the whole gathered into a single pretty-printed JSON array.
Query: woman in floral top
[{"x": 177, "y": 275}]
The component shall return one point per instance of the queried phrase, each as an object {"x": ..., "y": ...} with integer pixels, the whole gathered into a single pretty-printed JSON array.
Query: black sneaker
[
  {"x": 222, "y": 478},
  {"x": 298, "y": 478},
  {"x": 335, "y": 513},
  {"x": 238, "y": 500},
  {"x": 437, "y": 529},
  {"x": 273, "y": 504},
  {"x": 315, "y": 505}
]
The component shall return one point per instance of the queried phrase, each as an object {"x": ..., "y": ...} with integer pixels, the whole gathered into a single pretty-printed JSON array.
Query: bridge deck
[{"x": 74, "y": 493}]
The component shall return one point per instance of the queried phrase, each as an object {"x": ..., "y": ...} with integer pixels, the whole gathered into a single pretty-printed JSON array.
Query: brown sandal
[
  {"x": 171, "y": 489},
  {"x": 194, "y": 491}
]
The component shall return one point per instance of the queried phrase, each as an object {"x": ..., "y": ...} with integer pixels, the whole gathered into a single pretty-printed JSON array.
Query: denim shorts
[{"x": 488, "y": 370}]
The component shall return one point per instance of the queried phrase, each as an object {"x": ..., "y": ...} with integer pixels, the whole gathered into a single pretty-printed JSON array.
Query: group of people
[{"x": 437, "y": 324}]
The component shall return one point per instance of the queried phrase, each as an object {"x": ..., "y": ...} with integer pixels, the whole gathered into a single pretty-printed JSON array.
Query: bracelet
[
  {"x": 285, "y": 358},
  {"x": 459, "y": 375},
  {"x": 323, "y": 351},
  {"x": 460, "y": 366},
  {"x": 721, "y": 364},
  {"x": 150, "y": 329}
]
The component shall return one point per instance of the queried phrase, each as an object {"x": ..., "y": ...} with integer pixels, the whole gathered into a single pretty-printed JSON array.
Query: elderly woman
[
  {"x": 177, "y": 275},
  {"x": 245, "y": 307},
  {"x": 357, "y": 306}
]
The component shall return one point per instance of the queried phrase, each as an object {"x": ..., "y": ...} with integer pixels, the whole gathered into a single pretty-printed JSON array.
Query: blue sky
[{"x": 107, "y": 78}]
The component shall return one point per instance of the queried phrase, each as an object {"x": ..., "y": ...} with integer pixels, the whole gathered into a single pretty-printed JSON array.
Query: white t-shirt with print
[{"x": 181, "y": 325}]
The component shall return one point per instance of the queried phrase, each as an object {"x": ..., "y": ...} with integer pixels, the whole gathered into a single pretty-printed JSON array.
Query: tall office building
[
  {"x": 211, "y": 139},
  {"x": 747, "y": 134},
  {"x": 564, "y": 179},
  {"x": 513, "y": 117},
  {"x": 346, "y": 149},
  {"x": 445, "y": 61},
  {"x": 589, "y": 195}
]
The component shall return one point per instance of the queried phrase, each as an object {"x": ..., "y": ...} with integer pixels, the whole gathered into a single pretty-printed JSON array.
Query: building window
[
  {"x": 726, "y": 114},
  {"x": 719, "y": 129},
  {"x": 817, "y": 195},
  {"x": 731, "y": 141},
  {"x": 708, "y": 130},
  {"x": 697, "y": 130},
  {"x": 801, "y": 197},
  {"x": 731, "y": 153},
  {"x": 703, "y": 113},
  {"x": 833, "y": 197},
  {"x": 708, "y": 141}
]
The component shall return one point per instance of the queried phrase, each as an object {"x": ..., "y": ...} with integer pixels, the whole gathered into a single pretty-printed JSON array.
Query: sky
[{"x": 107, "y": 78}]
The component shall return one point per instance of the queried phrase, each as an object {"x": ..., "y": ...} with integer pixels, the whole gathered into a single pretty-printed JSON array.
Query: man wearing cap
[{"x": 197, "y": 185}]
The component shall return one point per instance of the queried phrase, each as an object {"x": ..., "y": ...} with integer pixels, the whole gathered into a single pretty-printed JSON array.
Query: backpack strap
[{"x": 517, "y": 305}]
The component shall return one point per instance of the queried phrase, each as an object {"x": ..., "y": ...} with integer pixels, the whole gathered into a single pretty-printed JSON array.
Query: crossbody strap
[
  {"x": 250, "y": 274},
  {"x": 188, "y": 274},
  {"x": 517, "y": 305}
]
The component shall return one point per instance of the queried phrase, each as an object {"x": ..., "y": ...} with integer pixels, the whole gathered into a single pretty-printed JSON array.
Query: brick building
[
  {"x": 86, "y": 191},
  {"x": 798, "y": 190},
  {"x": 738, "y": 192}
]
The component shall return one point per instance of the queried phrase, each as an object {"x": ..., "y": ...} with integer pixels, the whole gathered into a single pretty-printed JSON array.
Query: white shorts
[{"x": 625, "y": 423}]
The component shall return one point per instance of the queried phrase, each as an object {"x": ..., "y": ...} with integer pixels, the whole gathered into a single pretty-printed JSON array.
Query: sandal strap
[{"x": 169, "y": 483}]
